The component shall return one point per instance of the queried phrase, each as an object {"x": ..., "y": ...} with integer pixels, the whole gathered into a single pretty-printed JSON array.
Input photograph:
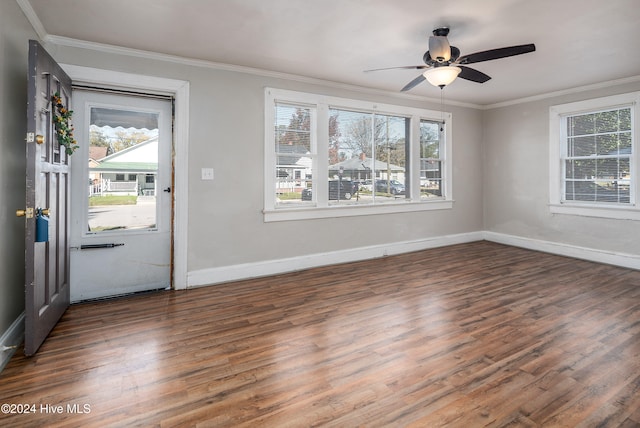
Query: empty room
[{"x": 287, "y": 213}]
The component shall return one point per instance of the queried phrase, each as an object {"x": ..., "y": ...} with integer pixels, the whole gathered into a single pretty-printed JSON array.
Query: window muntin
[{"x": 597, "y": 157}]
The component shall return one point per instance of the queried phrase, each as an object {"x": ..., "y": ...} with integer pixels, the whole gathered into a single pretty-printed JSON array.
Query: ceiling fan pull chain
[{"x": 442, "y": 109}]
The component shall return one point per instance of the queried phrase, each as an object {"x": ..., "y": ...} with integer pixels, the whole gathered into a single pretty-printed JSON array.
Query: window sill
[
  {"x": 289, "y": 214},
  {"x": 614, "y": 212}
]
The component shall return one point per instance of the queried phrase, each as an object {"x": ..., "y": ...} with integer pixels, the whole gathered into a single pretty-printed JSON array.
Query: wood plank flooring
[{"x": 470, "y": 335}]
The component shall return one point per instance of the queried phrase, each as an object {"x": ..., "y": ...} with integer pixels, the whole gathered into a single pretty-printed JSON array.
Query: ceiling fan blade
[
  {"x": 472, "y": 74},
  {"x": 405, "y": 67},
  {"x": 414, "y": 83},
  {"x": 496, "y": 54}
]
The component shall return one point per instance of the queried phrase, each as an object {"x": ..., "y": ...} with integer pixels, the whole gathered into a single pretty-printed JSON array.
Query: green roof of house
[{"x": 127, "y": 166}]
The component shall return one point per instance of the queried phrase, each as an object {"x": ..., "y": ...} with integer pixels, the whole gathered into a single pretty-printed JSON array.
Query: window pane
[
  {"x": 430, "y": 163},
  {"x": 293, "y": 129},
  {"x": 294, "y": 155},
  {"x": 607, "y": 169},
  {"x": 591, "y": 192},
  {"x": 350, "y": 164},
  {"x": 580, "y": 125},
  {"x": 367, "y": 157},
  {"x": 121, "y": 160},
  {"x": 584, "y": 169},
  {"x": 607, "y": 144},
  {"x": 624, "y": 119},
  {"x": 430, "y": 178},
  {"x": 582, "y": 146},
  {"x": 625, "y": 143},
  {"x": 391, "y": 138}
]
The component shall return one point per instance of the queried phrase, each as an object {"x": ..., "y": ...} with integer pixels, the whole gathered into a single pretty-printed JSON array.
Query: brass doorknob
[
  {"x": 28, "y": 212},
  {"x": 45, "y": 211},
  {"x": 39, "y": 139}
]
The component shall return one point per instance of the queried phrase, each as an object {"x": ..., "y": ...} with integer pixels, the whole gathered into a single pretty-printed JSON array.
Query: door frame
[{"x": 179, "y": 89}]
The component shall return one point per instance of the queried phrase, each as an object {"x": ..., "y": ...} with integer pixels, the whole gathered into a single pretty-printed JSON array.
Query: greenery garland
[{"x": 62, "y": 123}]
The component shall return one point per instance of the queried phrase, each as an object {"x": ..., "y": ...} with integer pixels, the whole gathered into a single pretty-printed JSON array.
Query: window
[
  {"x": 430, "y": 160},
  {"x": 593, "y": 157},
  {"x": 295, "y": 154},
  {"x": 367, "y": 157},
  {"x": 328, "y": 156}
]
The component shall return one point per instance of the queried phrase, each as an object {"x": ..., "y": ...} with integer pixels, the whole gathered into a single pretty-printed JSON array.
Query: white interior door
[{"x": 121, "y": 195}]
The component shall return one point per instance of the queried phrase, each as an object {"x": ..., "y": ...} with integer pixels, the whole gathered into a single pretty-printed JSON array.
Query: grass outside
[
  {"x": 95, "y": 201},
  {"x": 289, "y": 196}
]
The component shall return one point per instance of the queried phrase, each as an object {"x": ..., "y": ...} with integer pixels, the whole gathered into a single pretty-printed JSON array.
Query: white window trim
[
  {"x": 321, "y": 105},
  {"x": 557, "y": 114}
]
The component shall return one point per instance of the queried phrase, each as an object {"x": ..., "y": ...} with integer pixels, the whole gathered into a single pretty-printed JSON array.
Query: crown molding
[
  {"x": 138, "y": 53},
  {"x": 119, "y": 50},
  {"x": 33, "y": 19},
  {"x": 575, "y": 90}
]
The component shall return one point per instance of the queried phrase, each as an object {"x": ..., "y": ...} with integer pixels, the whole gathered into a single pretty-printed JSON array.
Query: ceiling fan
[{"x": 443, "y": 62}]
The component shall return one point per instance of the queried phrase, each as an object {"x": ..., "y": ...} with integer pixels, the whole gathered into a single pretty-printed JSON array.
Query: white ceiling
[{"x": 579, "y": 42}]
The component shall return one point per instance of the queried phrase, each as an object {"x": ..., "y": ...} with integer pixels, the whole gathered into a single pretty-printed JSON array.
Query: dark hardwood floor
[{"x": 470, "y": 335}]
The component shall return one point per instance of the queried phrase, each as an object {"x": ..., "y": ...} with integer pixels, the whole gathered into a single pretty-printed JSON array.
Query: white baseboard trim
[
  {"x": 13, "y": 337},
  {"x": 203, "y": 277},
  {"x": 626, "y": 260},
  {"x": 218, "y": 275}
]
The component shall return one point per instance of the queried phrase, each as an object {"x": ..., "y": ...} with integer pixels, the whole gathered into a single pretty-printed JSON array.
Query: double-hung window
[
  {"x": 594, "y": 157},
  {"x": 295, "y": 148},
  {"x": 334, "y": 157}
]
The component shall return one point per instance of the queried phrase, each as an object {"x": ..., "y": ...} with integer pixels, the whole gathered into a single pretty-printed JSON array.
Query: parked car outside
[
  {"x": 393, "y": 186},
  {"x": 345, "y": 188},
  {"x": 365, "y": 185}
]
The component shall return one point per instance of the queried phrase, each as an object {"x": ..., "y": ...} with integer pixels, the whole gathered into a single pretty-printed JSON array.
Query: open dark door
[{"x": 48, "y": 167}]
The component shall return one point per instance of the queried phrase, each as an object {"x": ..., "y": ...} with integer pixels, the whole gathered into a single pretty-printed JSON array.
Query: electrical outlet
[{"x": 207, "y": 173}]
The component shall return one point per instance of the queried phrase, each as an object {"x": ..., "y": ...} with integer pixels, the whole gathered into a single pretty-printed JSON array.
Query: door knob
[
  {"x": 39, "y": 139},
  {"x": 27, "y": 212}
]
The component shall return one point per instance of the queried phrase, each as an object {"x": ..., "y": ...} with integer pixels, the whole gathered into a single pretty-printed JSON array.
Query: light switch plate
[{"x": 207, "y": 173}]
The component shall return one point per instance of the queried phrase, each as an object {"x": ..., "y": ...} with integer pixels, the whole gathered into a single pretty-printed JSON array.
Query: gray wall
[
  {"x": 15, "y": 32},
  {"x": 226, "y": 132},
  {"x": 516, "y": 180}
]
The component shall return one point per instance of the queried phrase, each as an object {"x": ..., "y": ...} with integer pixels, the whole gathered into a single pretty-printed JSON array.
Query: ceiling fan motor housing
[{"x": 439, "y": 49}]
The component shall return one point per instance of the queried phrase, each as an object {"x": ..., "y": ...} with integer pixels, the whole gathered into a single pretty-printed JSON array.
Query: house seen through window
[{"x": 123, "y": 164}]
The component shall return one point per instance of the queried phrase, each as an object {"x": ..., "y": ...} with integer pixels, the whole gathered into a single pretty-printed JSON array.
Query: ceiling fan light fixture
[{"x": 442, "y": 76}]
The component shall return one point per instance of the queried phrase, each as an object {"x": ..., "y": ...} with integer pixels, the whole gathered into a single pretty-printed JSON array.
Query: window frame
[
  {"x": 558, "y": 115},
  {"x": 320, "y": 105}
]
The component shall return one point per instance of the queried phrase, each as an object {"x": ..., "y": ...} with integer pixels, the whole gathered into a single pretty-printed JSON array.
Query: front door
[
  {"x": 122, "y": 195},
  {"x": 47, "y": 197}
]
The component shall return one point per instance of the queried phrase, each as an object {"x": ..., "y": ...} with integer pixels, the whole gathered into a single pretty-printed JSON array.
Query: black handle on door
[{"x": 168, "y": 190}]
